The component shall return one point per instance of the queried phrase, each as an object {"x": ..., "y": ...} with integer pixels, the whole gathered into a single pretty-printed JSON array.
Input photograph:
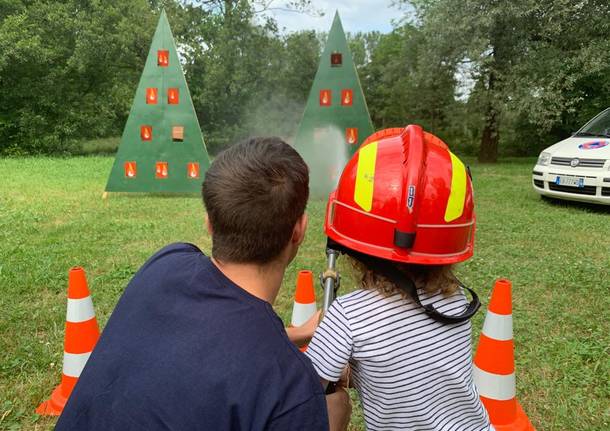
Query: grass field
[{"x": 52, "y": 217}]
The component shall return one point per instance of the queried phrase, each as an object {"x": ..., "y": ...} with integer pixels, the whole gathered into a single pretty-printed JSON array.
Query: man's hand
[
  {"x": 345, "y": 380},
  {"x": 339, "y": 410},
  {"x": 301, "y": 335}
]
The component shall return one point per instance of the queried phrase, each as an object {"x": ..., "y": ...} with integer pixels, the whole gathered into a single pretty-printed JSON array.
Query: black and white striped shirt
[{"x": 412, "y": 372}]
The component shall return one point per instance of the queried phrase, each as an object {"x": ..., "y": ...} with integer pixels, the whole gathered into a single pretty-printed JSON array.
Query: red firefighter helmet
[{"x": 404, "y": 197}]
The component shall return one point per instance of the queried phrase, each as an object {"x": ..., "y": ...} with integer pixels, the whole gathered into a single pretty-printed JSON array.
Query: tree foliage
[
  {"x": 67, "y": 70},
  {"x": 532, "y": 60},
  {"x": 245, "y": 77},
  {"x": 490, "y": 77}
]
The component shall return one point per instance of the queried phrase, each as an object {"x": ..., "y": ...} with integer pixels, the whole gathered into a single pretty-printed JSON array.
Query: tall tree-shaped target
[
  {"x": 336, "y": 119},
  {"x": 161, "y": 149}
]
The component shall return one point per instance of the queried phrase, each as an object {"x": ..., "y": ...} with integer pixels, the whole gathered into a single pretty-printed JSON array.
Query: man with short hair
[{"x": 194, "y": 343}]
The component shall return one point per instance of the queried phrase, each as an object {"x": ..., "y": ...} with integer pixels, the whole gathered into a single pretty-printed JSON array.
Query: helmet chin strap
[{"x": 385, "y": 268}]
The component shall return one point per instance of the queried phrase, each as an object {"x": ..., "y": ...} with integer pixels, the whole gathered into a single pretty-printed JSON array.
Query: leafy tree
[
  {"x": 403, "y": 83},
  {"x": 244, "y": 76},
  {"x": 277, "y": 108},
  {"x": 67, "y": 70},
  {"x": 526, "y": 62}
]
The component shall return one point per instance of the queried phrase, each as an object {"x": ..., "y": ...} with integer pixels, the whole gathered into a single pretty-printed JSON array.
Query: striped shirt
[{"x": 412, "y": 372}]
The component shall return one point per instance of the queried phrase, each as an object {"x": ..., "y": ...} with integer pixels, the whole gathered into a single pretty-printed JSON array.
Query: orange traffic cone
[
  {"x": 81, "y": 335},
  {"x": 304, "y": 300},
  {"x": 494, "y": 364}
]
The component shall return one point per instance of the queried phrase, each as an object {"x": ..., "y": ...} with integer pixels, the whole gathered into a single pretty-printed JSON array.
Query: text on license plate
[{"x": 562, "y": 180}]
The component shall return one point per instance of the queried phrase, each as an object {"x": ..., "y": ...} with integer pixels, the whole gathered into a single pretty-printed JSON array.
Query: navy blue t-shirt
[{"x": 187, "y": 349}]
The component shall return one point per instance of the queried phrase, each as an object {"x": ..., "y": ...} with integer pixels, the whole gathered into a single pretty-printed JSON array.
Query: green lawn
[{"x": 52, "y": 217}]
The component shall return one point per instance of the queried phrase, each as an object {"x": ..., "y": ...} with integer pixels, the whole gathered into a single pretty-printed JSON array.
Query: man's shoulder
[
  {"x": 175, "y": 251},
  {"x": 171, "y": 259}
]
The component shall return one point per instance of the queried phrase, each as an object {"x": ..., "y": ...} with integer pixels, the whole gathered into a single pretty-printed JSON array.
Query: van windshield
[{"x": 598, "y": 126}]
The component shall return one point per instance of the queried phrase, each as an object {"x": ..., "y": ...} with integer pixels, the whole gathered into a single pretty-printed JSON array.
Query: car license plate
[{"x": 562, "y": 180}]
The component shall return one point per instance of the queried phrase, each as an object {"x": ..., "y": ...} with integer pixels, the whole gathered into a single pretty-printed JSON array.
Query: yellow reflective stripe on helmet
[
  {"x": 455, "y": 204},
  {"x": 365, "y": 176}
]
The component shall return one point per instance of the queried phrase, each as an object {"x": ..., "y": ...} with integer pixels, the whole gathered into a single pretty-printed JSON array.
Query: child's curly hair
[{"x": 429, "y": 278}]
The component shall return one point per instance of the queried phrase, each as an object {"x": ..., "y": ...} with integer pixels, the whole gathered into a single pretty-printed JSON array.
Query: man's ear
[
  {"x": 298, "y": 233},
  {"x": 208, "y": 225}
]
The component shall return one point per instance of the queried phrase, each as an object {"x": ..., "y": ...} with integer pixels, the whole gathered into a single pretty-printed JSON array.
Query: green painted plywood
[
  {"x": 151, "y": 156},
  {"x": 336, "y": 118}
]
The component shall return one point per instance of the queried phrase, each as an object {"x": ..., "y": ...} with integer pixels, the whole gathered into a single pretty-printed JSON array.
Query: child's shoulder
[
  {"x": 356, "y": 295},
  {"x": 360, "y": 296}
]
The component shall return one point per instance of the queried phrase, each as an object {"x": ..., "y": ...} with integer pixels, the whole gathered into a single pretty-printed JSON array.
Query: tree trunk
[
  {"x": 488, "y": 151},
  {"x": 228, "y": 9}
]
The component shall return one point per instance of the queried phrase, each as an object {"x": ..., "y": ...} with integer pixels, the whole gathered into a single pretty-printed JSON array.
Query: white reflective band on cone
[
  {"x": 498, "y": 326},
  {"x": 80, "y": 310},
  {"x": 74, "y": 363},
  {"x": 301, "y": 313},
  {"x": 495, "y": 386}
]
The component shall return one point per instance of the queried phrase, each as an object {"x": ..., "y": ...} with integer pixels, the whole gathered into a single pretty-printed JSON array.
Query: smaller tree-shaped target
[{"x": 336, "y": 119}]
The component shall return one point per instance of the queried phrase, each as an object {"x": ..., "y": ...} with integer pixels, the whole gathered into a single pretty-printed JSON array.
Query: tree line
[{"x": 488, "y": 76}]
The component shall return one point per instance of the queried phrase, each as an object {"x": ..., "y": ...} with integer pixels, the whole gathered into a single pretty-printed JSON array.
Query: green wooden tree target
[
  {"x": 336, "y": 118},
  {"x": 162, "y": 149}
]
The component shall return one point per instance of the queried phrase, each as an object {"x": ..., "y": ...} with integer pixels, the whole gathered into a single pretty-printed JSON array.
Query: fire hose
[{"x": 330, "y": 281}]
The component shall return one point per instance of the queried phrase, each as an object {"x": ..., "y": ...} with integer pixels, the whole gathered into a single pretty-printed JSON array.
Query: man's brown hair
[{"x": 254, "y": 193}]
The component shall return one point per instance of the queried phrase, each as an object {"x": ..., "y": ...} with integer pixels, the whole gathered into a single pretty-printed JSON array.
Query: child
[{"x": 403, "y": 212}]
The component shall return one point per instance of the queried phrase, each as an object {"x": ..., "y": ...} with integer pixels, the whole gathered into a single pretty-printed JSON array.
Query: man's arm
[
  {"x": 311, "y": 416},
  {"x": 338, "y": 403},
  {"x": 339, "y": 410},
  {"x": 308, "y": 416}
]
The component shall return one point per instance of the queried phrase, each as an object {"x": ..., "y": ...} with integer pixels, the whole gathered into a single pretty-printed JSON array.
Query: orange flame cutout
[
  {"x": 146, "y": 133},
  {"x": 151, "y": 96},
  {"x": 163, "y": 57},
  {"x": 161, "y": 170},
  {"x": 130, "y": 169},
  {"x": 193, "y": 170},
  {"x": 352, "y": 135},
  {"x": 347, "y": 98},
  {"x": 325, "y": 97},
  {"x": 172, "y": 96}
]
